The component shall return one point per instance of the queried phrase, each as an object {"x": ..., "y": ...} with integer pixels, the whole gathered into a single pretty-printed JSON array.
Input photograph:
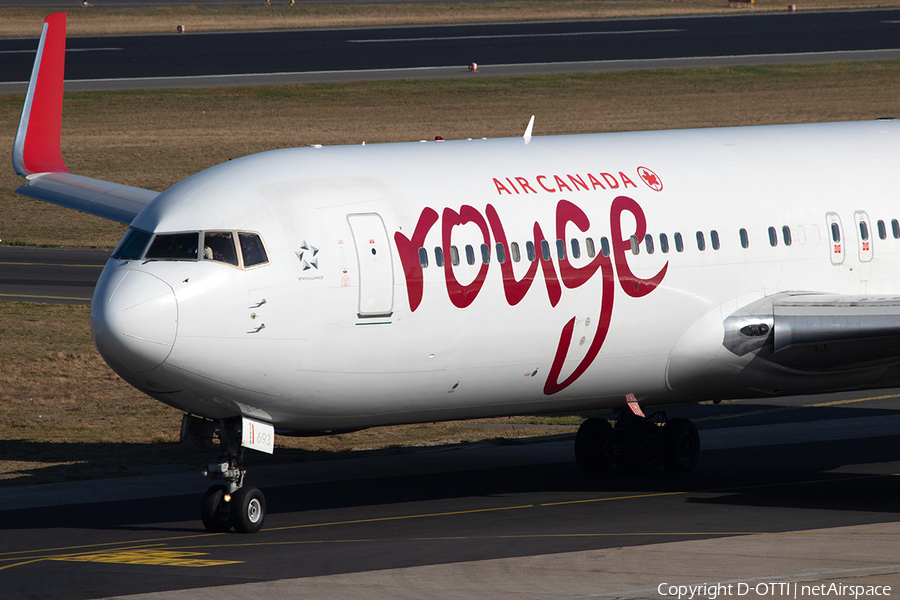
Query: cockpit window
[
  {"x": 219, "y": 245},
  {"x": 174, "y": 246},
  {"x": 252, "y": 249},
  {"x": 132, "y": 245}
]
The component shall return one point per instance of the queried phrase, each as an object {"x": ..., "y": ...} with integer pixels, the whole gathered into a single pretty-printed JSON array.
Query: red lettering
[
  {"x": 573, "y": 277},
  {"x": 523, "y": 183},
  {"x": 577, "y": 181},
  {"x": 512, "y": 185},
  {"x": 610, "y": 180},
  {"x": 408, "y": 250},
  {"x": 462, "y": 295},
  {"x": 562, "y": 184},
  {"x": 541, "y": 183},
  {"x": 631, "y": 284},
  {"x": 625, "y": 180},
  {"x": 554, "y": 290},
  {"x": 553, "y": 384},
  {"x": 595, "y": 182},
  {"x": 514, "y": 289},
  {"x": 500, "y": 187}
]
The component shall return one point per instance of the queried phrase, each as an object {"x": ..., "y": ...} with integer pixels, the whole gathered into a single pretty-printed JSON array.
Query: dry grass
[
  {"x": 153, "y": 139},
  {"x": 280, "y": 15}
]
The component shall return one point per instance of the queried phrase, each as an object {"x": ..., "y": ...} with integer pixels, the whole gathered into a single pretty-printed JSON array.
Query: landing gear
[
  {"x": 248, "y": 510},
  {"x": 637, "y": 444},
  {"x": 682, "y": 445},
  {"x": 592, "y": 446},
  {"x": 215, "y": 512},
  {"x": 231, "y": 504}
]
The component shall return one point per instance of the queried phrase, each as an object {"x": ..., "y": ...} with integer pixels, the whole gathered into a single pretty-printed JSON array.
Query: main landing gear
[
  {"x": 637, "y": 443},
  {"x": 231, "y": 504}
]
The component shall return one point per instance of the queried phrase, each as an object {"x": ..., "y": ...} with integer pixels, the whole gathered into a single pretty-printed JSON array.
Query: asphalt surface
[
  {"x": 235, "y": 58},
  {"x": 769, "y": 468},
  {"x": 51, "y": 275}
]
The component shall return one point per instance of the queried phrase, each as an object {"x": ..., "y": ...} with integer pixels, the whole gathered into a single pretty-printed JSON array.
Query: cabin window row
[{"x": 543, "y": 250}]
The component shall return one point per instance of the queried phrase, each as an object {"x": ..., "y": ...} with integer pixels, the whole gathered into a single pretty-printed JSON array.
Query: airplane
[{"x": 319, "y": 290}]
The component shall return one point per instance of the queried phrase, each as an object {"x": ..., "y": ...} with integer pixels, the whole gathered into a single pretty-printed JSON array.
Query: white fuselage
[{"x": 344, "y": 327}]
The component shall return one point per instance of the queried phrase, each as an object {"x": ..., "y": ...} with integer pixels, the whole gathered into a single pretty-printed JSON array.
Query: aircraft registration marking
[{"x": 168, "y": 558}]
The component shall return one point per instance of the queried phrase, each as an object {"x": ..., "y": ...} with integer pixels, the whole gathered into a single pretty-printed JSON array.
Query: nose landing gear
[{"x": 231, "y": 504}]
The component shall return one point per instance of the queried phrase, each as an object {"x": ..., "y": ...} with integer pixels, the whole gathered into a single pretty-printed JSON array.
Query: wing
[{"x": 37, "y": 155}]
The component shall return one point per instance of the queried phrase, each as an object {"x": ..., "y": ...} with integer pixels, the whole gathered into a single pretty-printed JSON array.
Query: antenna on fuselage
[{"x": 528, "y": 129}]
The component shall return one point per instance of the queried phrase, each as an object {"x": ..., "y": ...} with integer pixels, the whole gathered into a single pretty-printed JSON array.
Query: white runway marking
[{"x": 513, "y": 35}]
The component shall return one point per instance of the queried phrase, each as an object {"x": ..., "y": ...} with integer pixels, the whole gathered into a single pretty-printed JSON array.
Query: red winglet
[{"x": 37, "y": 146}]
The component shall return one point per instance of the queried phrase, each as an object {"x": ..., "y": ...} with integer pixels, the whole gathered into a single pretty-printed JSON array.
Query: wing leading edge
[{"x": 37, "y": 155}]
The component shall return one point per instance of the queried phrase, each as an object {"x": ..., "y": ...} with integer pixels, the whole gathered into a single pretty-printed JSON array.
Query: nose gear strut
[{"x": 231, "y": 503}]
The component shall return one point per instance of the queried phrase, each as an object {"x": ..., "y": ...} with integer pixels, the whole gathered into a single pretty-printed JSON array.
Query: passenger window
[
  {"x": 560, "y": 249},
  {"x": 545, "y": 250},
  {"x": 423, "y": 258},
  {"x": 470, "y": 254},
  {"x": 439, "y": 256},
  {"x": 836, "y": 233},
  {"x": 529, "y": 251},
  {"x": 604, "y": 246},
  {"x": 514, "y": 251},
  {"x": 773, "y": 237},
  {"x": 701, "y": 241},
  {"x": 175, "y": 246},
  {"x": 576, "y": 249},
  {"x": 219, "y": 246},
  {"x": 133, "y": 244},
  {"x": 786, "y": 234},
  {"x": 714, "y": 239},
  {"x": 454, "y": 256},
  {"x": 648, "y": 242},
  {"x": 501, "y": 253},
  {"x": 882, "y": 230},
  {"x": 679, "y": 243},
  {"x": 664, "y": 243},
  {"x": 635, "y": 245},
  {"x": 589, "y": 247},
  {"x": 863, "y": 231},
  {"x": 485, "y": 254},
  {"x": 252, "y": 249},
  {"x": 895, "y": 228},
  {"x": 745, "y": 239}
]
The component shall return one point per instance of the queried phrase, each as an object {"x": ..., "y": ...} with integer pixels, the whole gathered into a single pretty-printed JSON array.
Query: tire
[
  {"x": 248, "y": 511},
  {"x": 638, "y": 445},
  {"x": 649, "y": 447},
  {"x": 592, "y": 446},
  {"x": 214, "y": 511},
  {"x": 682, "y": 445}
]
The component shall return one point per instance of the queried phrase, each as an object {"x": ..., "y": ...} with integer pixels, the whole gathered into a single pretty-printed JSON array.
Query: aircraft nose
[{"x": 134, "y": 319}]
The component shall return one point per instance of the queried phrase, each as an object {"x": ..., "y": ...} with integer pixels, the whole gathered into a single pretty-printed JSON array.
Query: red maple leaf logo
[{"x": 650, "y": 178}]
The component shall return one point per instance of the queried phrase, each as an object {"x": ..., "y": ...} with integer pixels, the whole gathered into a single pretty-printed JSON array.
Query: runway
[
  {"x": 279, "y": 57},
  {"x": 52, "y": 275},
  {"x": 793, "y": 490}
]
